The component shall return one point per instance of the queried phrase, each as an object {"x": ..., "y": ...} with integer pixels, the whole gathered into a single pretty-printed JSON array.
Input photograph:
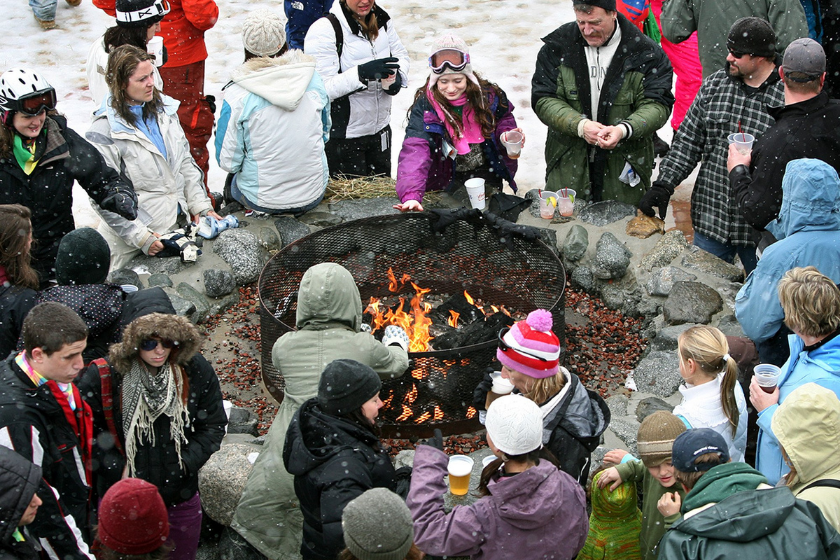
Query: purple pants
[{"x": 185, "y": 528}]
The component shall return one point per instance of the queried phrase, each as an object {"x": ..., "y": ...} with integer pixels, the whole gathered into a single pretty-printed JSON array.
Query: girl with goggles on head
[{"x": 454, "y": 131}]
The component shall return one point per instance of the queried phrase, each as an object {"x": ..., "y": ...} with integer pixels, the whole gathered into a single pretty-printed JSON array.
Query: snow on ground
[{"x": 503, "y": 35}]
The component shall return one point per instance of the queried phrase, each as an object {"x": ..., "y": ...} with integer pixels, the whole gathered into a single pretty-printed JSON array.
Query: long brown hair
[
  {"x": 118, "y": 36},
  {"x": 368, "y": 24},
  {"x": 122, "y": 62},
  {"x": 707, "y": 346},
  {"x": 476, "y": 98},
  {"x": 15, "y": 228}
]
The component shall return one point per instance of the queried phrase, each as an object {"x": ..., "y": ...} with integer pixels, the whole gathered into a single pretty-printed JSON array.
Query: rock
[
  {"x": 611, "y": 257},
  {"x": 202, "y": 306},
  {"x": 549, "y": 237},
  {"x": 698, "y": 259},
  {"x": 618, "y": 405},
  {"x": 259, "y": 440},
  {"x": 626, "y": 430},
  {"x": 241, "y": 250},
  {"x": 648, "y": 406},
  {"x": 126, "y": 276},
  {"x": 666, "y": 250},
  {"x": 643, "y": 226},
  {"x": 404, "y": 458},
  {"x": 222, "y": 479},
  {"x": 691, "y": 302},
  {"x": 154, "y": 265},
  {"x": 242, "y": 421},
  {"x": 666, "y": 339},
  {"x": 161, "y": 280},
  {"x": 269, "y": 239},
  {"x": 364, "y": 208},
  {"x": 649, "y": 307},
  {"x": 226, "y": 303},
  {"x": 218, "y": 283},
  {"x": 290, "y": 230},
  {"x": 583, "y": 278},
  {"x": 612, "y": 296},
  {"x": 576, "y": 243},
  {"x": 233, "y": 546},
  {"x": 231, "y": 208},
  {"x": 183, "y": 307},
  {"x": 622, "y": 294},
  {"x": 658, "y": 373},
  {"x": 730, "y": 326},
  {"x": 662, "y": 281},
  {"x": 606, "y": 212},
  {"x": 319, "y": 218}
]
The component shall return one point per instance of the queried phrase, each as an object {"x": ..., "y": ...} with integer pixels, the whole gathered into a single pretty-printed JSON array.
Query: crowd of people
[{"x": 108, "y": 409}]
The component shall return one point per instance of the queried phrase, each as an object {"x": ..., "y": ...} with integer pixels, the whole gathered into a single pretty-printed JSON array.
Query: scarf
[
  {"x": 471, "y": 134},
  {"x": 25, "y": 154},
  {"x": 147, "y": 397},
  {"x": 38, "y": 379}
]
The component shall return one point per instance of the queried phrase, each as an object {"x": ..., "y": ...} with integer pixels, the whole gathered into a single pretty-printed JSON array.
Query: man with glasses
[
  {"x": 603, "y": 89},
  {"x": 734, "y": 99}
]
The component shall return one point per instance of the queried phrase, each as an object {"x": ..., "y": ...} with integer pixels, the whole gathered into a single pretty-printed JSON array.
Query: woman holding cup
[
  {"x": 811, "y": 302},
  {"x": 455, "y": 131},
  {"x": 529, "y": 506}
]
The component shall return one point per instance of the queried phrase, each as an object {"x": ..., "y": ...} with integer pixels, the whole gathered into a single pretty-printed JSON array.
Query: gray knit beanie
[
  {"x": 346, "y": 385},
  {"x": 83, "y": 258},
  {"x": 264, "y": 33},
  {"x": 377, "y": 526}
]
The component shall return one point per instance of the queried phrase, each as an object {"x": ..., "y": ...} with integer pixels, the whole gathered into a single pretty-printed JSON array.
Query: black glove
[
  {"x": 402, "y": 481},
  {"x": 122, "y": 200},
  {"x": 446, "y": 217},
  {"x": 396, "y": 86},
  {"x": 378, "y": 68},
  {"x": 211, "y": 101},
  {"x": 506, "y": 230},
  {"x": 657, "y": 195},
  {"x": 436, "y": 440},
  {"x": 481, "y": 390}
]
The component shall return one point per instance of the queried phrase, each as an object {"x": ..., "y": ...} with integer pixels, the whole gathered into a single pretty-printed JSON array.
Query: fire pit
[{"x": 436, "y": 392}]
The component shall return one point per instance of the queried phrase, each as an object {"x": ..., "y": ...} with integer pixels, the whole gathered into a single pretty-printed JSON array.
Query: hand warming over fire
[{"x": 409, "y": 206}]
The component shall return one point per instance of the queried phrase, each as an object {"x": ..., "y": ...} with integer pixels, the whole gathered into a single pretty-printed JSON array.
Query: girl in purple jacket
[
  {"x": 529, "y": 509},
  {"x": 454, "y": 131}
]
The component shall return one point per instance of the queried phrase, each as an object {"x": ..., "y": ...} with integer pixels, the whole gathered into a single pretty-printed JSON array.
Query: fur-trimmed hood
[
  {"x": 162, "y": 325},
  {"x": 281, "y": 81}
]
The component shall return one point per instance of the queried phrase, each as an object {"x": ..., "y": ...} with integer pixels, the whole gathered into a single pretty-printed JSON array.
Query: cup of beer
[
  {"x": 512, "y": 141},
  {"x": 767, "y": 376},
  {"x": 460, "y": 467}
]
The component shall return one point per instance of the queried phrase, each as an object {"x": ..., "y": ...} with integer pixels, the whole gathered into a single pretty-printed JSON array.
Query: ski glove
[
  {"x": 657, "y": 195},
  {"x": 122, "y": 200},
  {"x": 177, "y": 244},
  {"x": 394, "y": 89},
  {"x": 395, "y": 335},
  {"x": 378, "y": 68}
]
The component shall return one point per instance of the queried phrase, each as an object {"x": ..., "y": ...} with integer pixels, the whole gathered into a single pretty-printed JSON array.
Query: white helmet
[{"x": 25, "y": 91}]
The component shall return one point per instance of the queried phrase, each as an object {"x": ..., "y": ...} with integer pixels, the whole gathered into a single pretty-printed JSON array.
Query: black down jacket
[{"x": 19, "y": 480}]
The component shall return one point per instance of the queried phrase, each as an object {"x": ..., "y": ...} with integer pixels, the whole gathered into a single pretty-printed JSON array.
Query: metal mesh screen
[{"x": 463, "y": 257}]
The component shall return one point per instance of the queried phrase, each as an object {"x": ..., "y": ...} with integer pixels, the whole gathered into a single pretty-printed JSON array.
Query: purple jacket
[
  {"x": 421, "y": 164},
  {"x": 539, "y": 513}
]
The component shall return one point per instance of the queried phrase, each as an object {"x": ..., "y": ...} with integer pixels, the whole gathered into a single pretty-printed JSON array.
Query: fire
[
  {"x": 469, "y": 298},
  {"x": 406, "y": 414},
  {"x": 411, "y": 396},
  {"x": 413, "y": 321},
  {"x": 453, "y": 319},
  {"x": 423, "y": 417},
  {"x": 471, "y": 412},
  {"x": 438, "y": 415}
]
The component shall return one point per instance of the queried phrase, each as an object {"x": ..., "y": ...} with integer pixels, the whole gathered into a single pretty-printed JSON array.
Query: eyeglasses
[
  {"x": 37, "y": 102},
  {"x": 151, "y": 343},
  {"x": 453, "y": 58},
  {"x": 503, "y": 346}
]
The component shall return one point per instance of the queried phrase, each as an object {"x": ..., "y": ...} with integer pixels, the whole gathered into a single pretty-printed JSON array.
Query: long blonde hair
[
  {"x": 540, "y": 390},
  {"x": 708, "y": 348}
]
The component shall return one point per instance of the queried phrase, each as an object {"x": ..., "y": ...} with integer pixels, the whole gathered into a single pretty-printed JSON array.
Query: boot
[{"x": 45, "y": 23}]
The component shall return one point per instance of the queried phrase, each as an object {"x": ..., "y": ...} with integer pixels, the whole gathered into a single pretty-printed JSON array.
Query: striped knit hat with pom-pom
[{"x": 530, "y": 347}]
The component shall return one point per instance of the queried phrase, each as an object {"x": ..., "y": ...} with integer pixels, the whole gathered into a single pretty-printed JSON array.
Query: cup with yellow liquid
[{"x": 460, "y": 467}]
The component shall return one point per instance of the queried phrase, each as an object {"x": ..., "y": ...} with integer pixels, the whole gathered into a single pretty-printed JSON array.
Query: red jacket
[{"x": 182, "y": 29}]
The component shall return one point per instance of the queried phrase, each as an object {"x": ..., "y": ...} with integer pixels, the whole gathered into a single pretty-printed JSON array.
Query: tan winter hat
[
  {"x": 264, "y": 33},
  {"x": 656, "y": 437}
]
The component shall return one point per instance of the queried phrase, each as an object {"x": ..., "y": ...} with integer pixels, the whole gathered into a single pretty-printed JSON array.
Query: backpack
[{"x": 108, "y": 400}]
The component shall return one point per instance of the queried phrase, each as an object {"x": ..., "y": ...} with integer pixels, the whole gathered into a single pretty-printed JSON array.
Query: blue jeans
[
  {"x": 44, "y": 9},
  {"x": 727, "y": 251},
  {"x": 241, "y": 199}
]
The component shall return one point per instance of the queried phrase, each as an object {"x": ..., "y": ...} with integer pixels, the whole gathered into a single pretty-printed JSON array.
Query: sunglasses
[
  {"x": 37, "y": 103},
  {"x": 738, "y": 54},
  {"x": 456, "y": 60},
  {"x": 151, "y": 343},
  {"x": 503, "y": 346}
]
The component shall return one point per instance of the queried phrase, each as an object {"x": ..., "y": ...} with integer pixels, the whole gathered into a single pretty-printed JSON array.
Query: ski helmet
[{"x": 26, "y": 92}]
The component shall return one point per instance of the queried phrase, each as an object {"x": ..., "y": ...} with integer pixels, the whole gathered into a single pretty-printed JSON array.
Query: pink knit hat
[
  {"x": 530, "y": 347},
  {"x": 451, "y": 42}
]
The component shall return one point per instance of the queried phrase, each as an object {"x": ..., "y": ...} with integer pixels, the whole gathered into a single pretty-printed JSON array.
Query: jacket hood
[
  {"x": 173, "y": 327},
  {"x": 144, "y": 302},
  {"x": 282, "y": 81},
  {"x": 807, "y": 425},
  {"x": 742, "y": 517},
  {"x": 825, "y": 357},
  {"x": 533, "y": 498},
  {"x": 810, "y": 199},
  {"x": 582, "y": 413},
  {"x": 314, "y": 437},
  {"x": 19, "y": 480},
  {"x": 99, "y": 305},
  {"x": 720, "y": 482},
  {"x": 328, "y": 297}
]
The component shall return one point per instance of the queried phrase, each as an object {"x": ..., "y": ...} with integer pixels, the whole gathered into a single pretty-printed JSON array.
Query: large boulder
[
  {"x": 611, "y": 258},
  {"x": 241, "y": 250},
  {"x": 662, "y": 281},
  {"x": 698, "y": 259},
  {"x": 691, "y": 302},
  {"x": 576, "y": 243},
  {"x": 658, "y": 373},
  {"x": 666, "y": 250},
  {"x": 218, "y": 282},
  {"x": 606, "y": 212},
  {"x": 222, "y": 479}
]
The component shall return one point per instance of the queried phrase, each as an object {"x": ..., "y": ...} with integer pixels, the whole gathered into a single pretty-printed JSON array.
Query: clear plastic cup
[
  {"x": 767, "y": 376},
  {"x": 487, "y": 460},
  {"x": 512, "y": 141},
  {"x": 460, "y": 468},
  {"x": 743, "y": 142},
  {"x": 475, "y": 190},
  {"x": 548, "y": 204},
  {"x": 566, "y": 202}
]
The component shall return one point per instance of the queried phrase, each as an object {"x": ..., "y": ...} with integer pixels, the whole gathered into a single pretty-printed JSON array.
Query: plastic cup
[
  {"x": 743, "y": 142},
  {"x": 487, "y": 460},
  {"x": 460, "y": 468},
  {"x": 475, "y": 190},
  {"x": 767, "y": 376},
  {"x": 155, "y": 47},
  {"x": 501, "y": 386},
  {"x": 566, "y": 202},
  {"x": 548, "y": 204},
  {"x": 512, "y": 141}
]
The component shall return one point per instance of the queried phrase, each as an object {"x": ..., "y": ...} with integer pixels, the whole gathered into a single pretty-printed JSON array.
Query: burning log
[
  {"x": 474, "y": 333},
  {"x": 459, "y": 304}
]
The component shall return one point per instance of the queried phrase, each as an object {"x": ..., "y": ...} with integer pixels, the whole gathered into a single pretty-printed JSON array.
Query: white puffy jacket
[
  {"x": 271, "y": 132},
  {"x": 370, "y": 111},
  {"x": 97, "y": 61},
  {"x": 163, "y": 185}
]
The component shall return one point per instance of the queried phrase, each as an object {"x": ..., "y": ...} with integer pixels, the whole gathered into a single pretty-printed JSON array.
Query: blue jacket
[
  {"x": 808, "y": 230},
  {"x": 300, "y": 15}
]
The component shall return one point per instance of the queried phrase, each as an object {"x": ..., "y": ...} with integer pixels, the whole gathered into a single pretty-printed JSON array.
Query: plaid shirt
[{"x": 723, "y": 105}]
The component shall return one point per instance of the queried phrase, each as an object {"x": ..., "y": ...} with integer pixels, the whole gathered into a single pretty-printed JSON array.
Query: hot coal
[
  {"x": 467, "y": 312},
  {"x": 473, "y": 333}
]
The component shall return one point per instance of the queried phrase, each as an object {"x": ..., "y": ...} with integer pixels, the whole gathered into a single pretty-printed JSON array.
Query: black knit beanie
[
  {"x": 752, "y": 35},
  {"x": 83, "y": 258},
  {"x": 608, "y": 5},
  {"x": 346, "y": 385},
  {"x": 139, "y": 13},
  {"x": 377, "y": 526}
]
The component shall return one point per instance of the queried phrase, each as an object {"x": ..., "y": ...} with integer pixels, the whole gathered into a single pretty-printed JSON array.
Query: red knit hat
[
  {"x": 132, "y": 518},
  {"x": 530, "y": 347}
]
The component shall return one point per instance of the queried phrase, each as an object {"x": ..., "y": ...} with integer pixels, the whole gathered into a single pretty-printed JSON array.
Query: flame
[
  {"x": 394, "y": 285},
  {"x": 438, "y": 414},
  {"x": 387, "y": 402},
  {"x": 422, "y": 418},
  {"x": 413, "y": 321},
  {"x": 453, "y": 319},
  {"x": 411, "y": 396},
  {"x": 406, "y": 413},
  {"x": 469, "y": 298},
  {"x": 471, "y": 412},
  {"x": 420, "y": 372}
]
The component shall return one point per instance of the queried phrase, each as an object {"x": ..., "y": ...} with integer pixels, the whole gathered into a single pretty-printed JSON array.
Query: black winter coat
[
  {"x": 15, "y": 303},
  {"x": 333, "y": 461},
  {"x": 63, "y": 157},
  {"x": 19, "y": 480}
]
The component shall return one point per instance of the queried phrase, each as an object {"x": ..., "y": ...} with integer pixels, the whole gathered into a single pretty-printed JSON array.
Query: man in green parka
[{"x": 603, "y": 89}]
